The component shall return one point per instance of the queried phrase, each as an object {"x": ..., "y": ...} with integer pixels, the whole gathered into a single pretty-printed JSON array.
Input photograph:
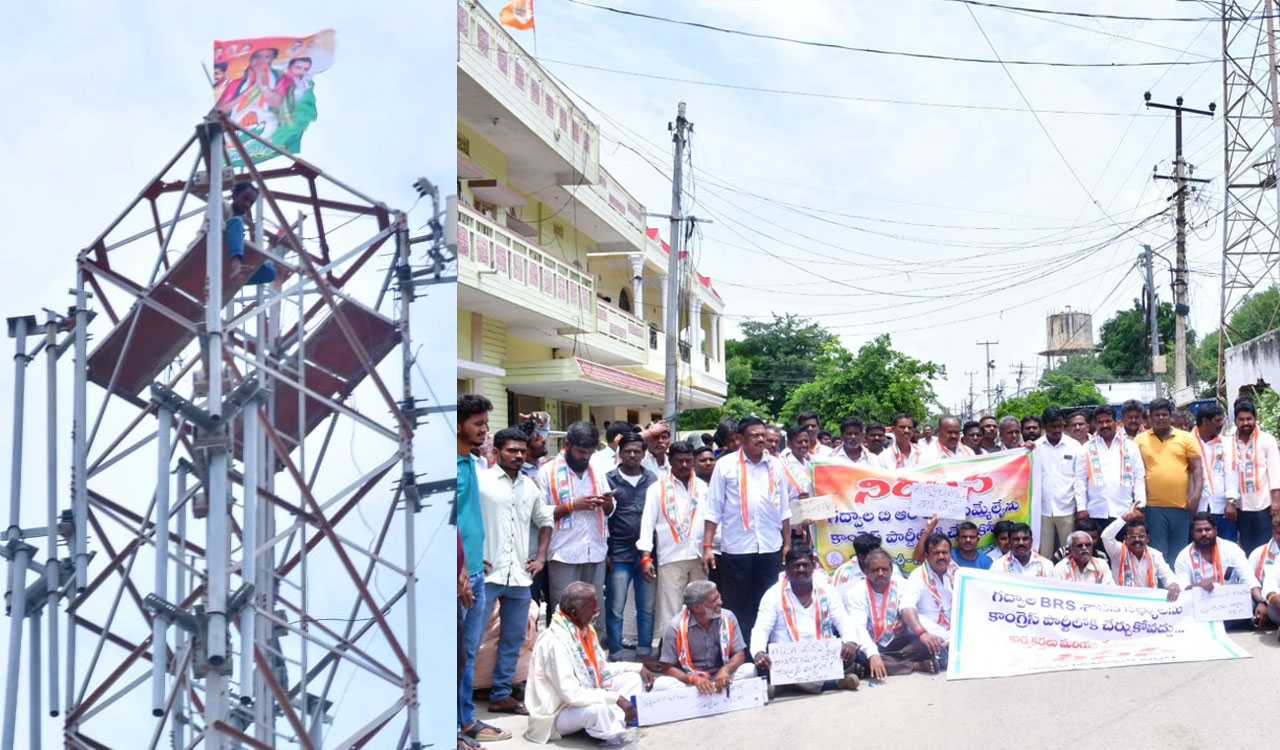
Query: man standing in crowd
[
  {"x": 1131, "y": 417},
  {"x": 749, "y": 500},
  {"x": 948, "y": 444},
  {"x": 926, "y": 602},
  {"x": 673, "y": 514},
  {"x": 537, "y": 428},
  {"x": 1032, "y": 428},
  {"x": 1078, "y": 425},
  {"x": 795, "y": 461},
  {"x": 1080, "y": 565},
  {"x": 902, "y": 452},
  {"x": 1136, "y": 564},
  {"x": 603, "y": 460},
  {"x": 850, "y": 450},
  {"x": 1110, "y": 476},
  {"x": 972, "y": 436},
  {"x": 572, "y": 687},
  {"x": 473, "y": 429},
  {"x": 1174, "y": 477},
  {"x": 1257, "y": 465},
  {"x": 1053, "y": 487},
  {"x": 773, "y": 439},
  {"x": 1000, "y": 535},
  {"x": 1020, "y": 558},
  {"x": 704, "y": 462},
  {"x": 703, "y": 644},
  {"x": 799, "y": 608},
  {"x": 1221, "y": 494},
  {"x": 580, "y": 499},
  {"x": 990, "y": 430},
  {"x": 875, "y": 439},
  {"x": 658, "y": 439},
  {"x": 927, "y": 440},
  {"x": 1010, "y": 434},
  {"x": 630, "y": 483},
  {"x": 512, "y": 507},
  {"x": 811, "y": 424},
  {"x": 727, "y": 436}
]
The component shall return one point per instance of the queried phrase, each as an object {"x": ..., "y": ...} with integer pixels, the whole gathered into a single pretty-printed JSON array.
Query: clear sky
[
  {"x": 98, "y": 95},
  {"x": 918, "y": 198}
]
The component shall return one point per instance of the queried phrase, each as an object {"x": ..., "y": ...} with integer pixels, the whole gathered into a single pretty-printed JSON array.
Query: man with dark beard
[{"x": 581, "y": 500}]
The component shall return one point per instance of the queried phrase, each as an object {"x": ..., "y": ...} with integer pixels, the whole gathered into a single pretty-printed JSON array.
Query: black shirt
[{"x": 628, "y": 506}]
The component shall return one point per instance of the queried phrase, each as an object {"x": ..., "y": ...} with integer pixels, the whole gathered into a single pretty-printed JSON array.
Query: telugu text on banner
[
  {"x": 878, "y": 501},
  {"x": 1010, "y": 625},
  {"x": 266, "y": 86}
]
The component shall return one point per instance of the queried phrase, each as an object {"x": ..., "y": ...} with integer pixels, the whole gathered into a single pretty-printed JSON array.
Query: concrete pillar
[{"x": 637, "y": 285}]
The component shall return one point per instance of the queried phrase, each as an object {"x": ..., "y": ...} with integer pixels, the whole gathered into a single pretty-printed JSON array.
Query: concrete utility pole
[
  {"x": 991, "y": 365},
  {"x": 1181, "y": 308},
  {"x": 971, "y": 373},
  {"x": 673, "y": 271},
  {"x": 1153, "y": 317}
]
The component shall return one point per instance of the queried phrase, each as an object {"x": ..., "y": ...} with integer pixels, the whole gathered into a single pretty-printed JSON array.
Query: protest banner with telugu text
[
  {"x": 1004, "y": 624},
  {"x": 868, "y": 499}
]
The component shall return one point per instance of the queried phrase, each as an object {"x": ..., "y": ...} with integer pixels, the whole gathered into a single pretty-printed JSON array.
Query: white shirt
[
  {"x": 1267, "y": 460},
  {"x": 554, "y": 686},
  {"x": 1229, "y": 555},
  {"x": 840, "y": 454},
  {"x": 1256, "y": 555},
  {"x": 859, "y": 604},
  {"x": 1218, "y": 472},
  {"x": 651, "y": 463},
  {"x": 1038, "y": 566},
  {"x": 724, "y": 507},
  {"x": 888, "y": 458},
  {"x": 1141, "y": 565},
  {"x": 771, "y": 623},
  {"x": 603, "y": 461},
  {"x": 1097, "y": 571},
  {"x": 857, "y": 580},
  {"x": 1110, "y": 499},
  {"x": 800, "y": 471},
  {"x": 940, "y": 453},
  {"x": 1271, "y": 583},
  {"x": 1053, "y": 488},
  {"x": 510, "y": 509},
  {"x": 652, "y": 519},
  {"x": 580, "y": 540},
  {"x": 916, "y": 595}
]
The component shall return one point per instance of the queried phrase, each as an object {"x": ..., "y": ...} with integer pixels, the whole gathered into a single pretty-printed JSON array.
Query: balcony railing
[
  {"x": 621, "y": 201},
  {"x": 619, "y": 324},
  {"x": 510, "y": 258},
  {"x": 488, "y": 53}
]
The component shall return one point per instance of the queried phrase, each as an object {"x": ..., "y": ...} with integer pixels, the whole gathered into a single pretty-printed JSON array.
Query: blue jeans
[
  {"x": 1255, "y": 528},
  {"x": 1227, "y": 529},
  {"x": 1169, "y": 529},
  {"x": 514, "y": 614},
  {"x": 623, "y": 576},
  {"x": 472, "y": 629}
]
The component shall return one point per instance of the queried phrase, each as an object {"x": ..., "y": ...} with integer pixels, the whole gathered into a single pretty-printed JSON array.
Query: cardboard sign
[
  {"x": 943, "y": 500},
  {"x": 684, "y": 702},
  {"x": 818, "y": 508},
  {"x": 806, "y": 661},
  {"x": 1231, "y": 601}
]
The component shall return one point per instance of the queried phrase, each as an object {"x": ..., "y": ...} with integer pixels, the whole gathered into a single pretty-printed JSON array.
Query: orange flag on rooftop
[{"x": 518, "y": 14}]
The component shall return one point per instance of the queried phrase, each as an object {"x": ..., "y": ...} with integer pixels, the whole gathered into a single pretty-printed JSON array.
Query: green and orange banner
[{"x": 878, "y": 501}]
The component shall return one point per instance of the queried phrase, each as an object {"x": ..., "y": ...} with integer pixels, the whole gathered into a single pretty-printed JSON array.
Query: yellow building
[{"x": 561, "y": 286}]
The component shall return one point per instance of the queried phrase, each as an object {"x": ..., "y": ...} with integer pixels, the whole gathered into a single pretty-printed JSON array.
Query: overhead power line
[
  {"x": 895, "y": 53},
  {"x": 1085, "y": 14}
]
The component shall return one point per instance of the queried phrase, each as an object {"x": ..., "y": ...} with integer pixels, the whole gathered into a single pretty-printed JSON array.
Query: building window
[
  {"x": 633, "y": 416},
  {"x": 624, "y": 300}
]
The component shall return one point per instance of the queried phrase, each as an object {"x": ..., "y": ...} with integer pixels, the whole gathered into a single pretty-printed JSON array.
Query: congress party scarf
[
  {"x": 883, "y": 618},
  {"x": 943, "y": 618},
  {"x": 1129, "y": 569},
  {"x": 821, "y": 611},
  {"x": 742, "y": 486},
  {"x": 681, "y": 522},
  {"x": 682, "y": 643},
  {"x": 1095, "y": 461},
  {"x": 562, "y": 491},
  {"x": 591, "y": 665}
]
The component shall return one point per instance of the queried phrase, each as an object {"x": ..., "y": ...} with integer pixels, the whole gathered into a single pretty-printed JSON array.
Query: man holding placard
[
  {"x": 926, "y": 602},
  {"x": 1210, "y": 561},
  {"x": 799, "y": 609},
  {"x": 703, "y": 644},
  {"x": 1021, "y": 559},
  {"x": 749, "y": 500},
  {"x": 1137, "y": 565}
]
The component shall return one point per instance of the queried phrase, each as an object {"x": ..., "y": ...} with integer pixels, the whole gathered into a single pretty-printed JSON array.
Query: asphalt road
[{"x": 1168, "y": 706}]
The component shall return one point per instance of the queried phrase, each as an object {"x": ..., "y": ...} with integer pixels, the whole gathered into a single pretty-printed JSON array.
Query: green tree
[
  {"x": 1054, "y": 390},
  {"x": 1126, "y": 350},
  {"x": 1083, "y": 366},
  {"x": 874, "y": 384},
  {"x": 1256, "y": 315},
  {"x": 707, "y": 419},
  {"x": 773, "y": 358}
]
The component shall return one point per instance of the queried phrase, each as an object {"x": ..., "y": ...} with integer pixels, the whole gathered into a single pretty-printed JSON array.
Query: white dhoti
[{"x": 601, "y": 721}]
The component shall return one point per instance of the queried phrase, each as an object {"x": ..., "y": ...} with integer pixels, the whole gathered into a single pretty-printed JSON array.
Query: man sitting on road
[
  {"x": 1137, "y": 564},
  {"x": 926, "y": 605},
  {"x": 853, "y": 572},
  {"x": 1263, "y": 558},
  {"x": 703, "y": 645},
  {"x": 572, "y": 686},
  {"x": 1209, "y": 561},
  {"x": 876, "y": 603},
  {"x": 800, "y": 608},
  {"x": 1021, "y": 558},
  {"x": 1080, "y": 565}
]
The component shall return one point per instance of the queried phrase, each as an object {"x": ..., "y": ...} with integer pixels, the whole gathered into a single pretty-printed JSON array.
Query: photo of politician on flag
[{"x": 267, "y": 87}]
